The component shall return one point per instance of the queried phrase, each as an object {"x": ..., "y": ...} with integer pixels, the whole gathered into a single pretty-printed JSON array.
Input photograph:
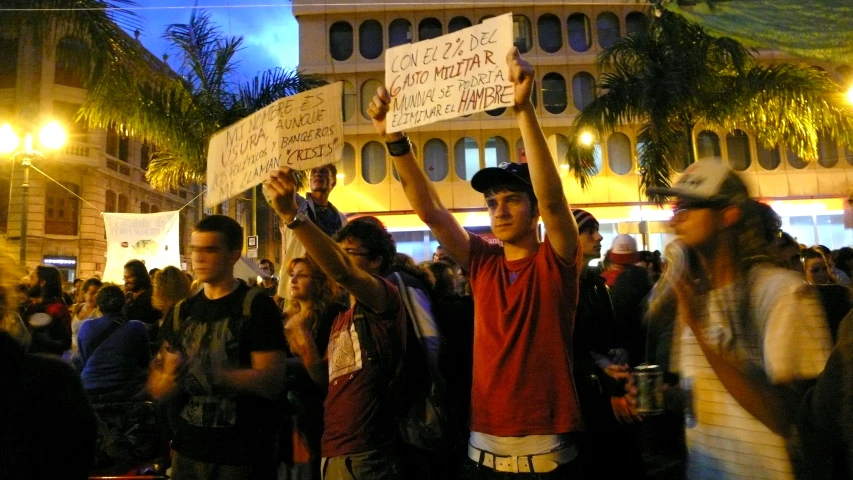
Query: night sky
[{"x": 270, "y": 32}]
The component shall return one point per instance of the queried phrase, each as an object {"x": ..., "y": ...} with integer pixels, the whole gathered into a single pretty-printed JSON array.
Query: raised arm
[
  {"x": 560, "y": 225},
  {"x": 279, "y": 190},
  {"x": 421, "y": 193}
]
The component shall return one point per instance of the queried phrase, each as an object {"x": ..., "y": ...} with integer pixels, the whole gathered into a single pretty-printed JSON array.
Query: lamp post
[{"x": 51, "y": 137}]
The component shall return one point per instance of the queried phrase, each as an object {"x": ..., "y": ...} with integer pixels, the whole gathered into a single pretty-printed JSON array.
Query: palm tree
[
  {"x": 675, "y": 76},
  {"x": 180, "y": 115}
]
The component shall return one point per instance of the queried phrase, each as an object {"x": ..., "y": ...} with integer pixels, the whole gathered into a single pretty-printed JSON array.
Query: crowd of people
[{"x": 494, "y": 360}]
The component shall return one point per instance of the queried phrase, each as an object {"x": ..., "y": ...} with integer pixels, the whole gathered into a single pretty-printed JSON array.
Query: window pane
[
  {"x": 429, "y": 28},
  {"x": 458, "y": 23},
  {"x": 350, "y": 100},
  {"x": 522, "y": 33},
  {"x": 579, "y": 32},
  {"x": 583, "y": 90},
  {"x": 707, "y": 144},
  {"x": 373, "y": 163},
  {"x": 60, "y": 217},
  {"x": 72, "y": 62},
  {"x": 9, "y": 65},
  {"x": 802, "y": 229},
  {"x": 562, "y": 150},
  {"x": 144, "y": 156},
  {"x": 554, "y": 93},
  {"x": 769, "y": 159},
  {"x": 348, "y": 163},
  {"x": 520, "y": 152},
  {"x": 110, "y": 201},
  {"x": 682, "y": 157},
  {"x": 466, "y": 158},
  {"x": 737, "y": 144},
  {"x": 496, "y": 151},
  {"x": 597, "y": 158},
  {"x": 340, "y": 40},
  {"x": 794, "y": 160},
  {"x": 827, "y": 151},
  {"x": 830, "y": 231},
  {"x": 370, "y": 39},
  {"x": 436, "y": 165},
  {"x": 399, "y": 32},
  {"x": 607, "y": 25},
  {"x": 550, "y": 33},
  {"x": 619, "y": 153},
  {"x": 368, "y": 90},
  {"x": 636, "y": 23}
]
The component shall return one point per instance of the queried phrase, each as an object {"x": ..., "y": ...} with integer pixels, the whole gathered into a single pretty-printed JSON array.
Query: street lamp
[{"x": 51, "y": 137}]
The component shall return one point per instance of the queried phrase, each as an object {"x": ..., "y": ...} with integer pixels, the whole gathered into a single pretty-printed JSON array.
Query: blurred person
[
  {"x": 114, "y": 351},
  {"x": 85, "y": 310},
  {"x": 817, "y": 267},
  {"x": 319, "y": 210},
  {"x": 651, "y": 261},
  {"x": 138, "y": 291},
  {"x": 750, "y": 335},
  {"x": 77, "y": 292},
  {"x": 46, "y": 315},
  {"x": 169, "y": 285},
  {"x": 219, "y": 368},
  {"x": 840, "y": 277},
  {"x": 836, "y": 299},
  {"x": 629, "y": 286},
  {"x": 268, "y": 281},
  {"x": 786, "y": 250},
  {"x": 844, "y": 260},
  {"x": 12, "y": 297}
]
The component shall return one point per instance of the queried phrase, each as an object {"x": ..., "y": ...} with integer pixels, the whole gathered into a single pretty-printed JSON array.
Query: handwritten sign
[
  {"x": 450, "y": 76},
  {"x": 153, "y": 238},
  {"x": 300, "y": 132}
]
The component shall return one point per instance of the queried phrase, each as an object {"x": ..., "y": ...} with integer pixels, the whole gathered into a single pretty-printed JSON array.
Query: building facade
[
  {"x": 97, "y": 171},
  {"x": 561, "y": 39}
]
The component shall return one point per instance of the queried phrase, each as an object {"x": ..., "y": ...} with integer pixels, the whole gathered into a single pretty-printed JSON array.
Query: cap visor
[{"x": 490, "y": 176}]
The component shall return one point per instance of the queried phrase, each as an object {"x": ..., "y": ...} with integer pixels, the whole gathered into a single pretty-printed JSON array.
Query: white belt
[{"x": 542, "y": 463}]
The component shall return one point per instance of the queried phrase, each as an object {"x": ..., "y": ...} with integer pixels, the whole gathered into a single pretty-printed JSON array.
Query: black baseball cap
[{"x": 506, "y": 172}]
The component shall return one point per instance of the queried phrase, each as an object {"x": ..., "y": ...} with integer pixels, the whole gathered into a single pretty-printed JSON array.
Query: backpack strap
[{"x": 176, "y": 315}]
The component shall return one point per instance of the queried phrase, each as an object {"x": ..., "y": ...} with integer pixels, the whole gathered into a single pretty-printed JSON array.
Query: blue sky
[{"x": 269, "y": 30}]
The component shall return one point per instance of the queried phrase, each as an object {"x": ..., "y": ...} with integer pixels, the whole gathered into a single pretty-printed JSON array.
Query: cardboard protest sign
[
  {"x": 450, "y": 76},
  {"x": 300, "y": 132},
  {"x": 153, "y": 238}
]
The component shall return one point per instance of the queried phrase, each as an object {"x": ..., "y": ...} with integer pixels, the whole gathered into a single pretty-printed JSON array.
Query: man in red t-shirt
[
  {"x": 366, "y": 344},
  {"x": 524, "y": 409}
]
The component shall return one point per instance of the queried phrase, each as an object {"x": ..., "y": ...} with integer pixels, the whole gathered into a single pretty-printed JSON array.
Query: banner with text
[
  {"x": 457, "y": 74},
  {"x": 153, "y": 238},
  {"x": 300, "y": 132}
]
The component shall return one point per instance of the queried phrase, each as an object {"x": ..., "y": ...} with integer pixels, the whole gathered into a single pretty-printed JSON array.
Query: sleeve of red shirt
[{"x": 60, "y": 312}]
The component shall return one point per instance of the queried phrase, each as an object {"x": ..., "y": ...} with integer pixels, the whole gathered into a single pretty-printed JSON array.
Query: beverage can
[{"x": 649, "y": 381}]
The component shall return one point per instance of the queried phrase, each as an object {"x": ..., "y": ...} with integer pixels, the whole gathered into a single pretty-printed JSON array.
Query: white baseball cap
[{"x": 707, "y": 182}]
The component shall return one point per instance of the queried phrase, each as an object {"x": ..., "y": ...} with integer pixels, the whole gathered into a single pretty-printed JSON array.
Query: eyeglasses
[{"x": 355, "y": 253}]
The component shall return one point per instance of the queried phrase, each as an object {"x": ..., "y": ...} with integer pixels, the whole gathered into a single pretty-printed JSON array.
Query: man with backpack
[
  {"x": 367, "y": 342},
  {"x": 221, "y": 364},
  {"x": 524, "y": 410}
]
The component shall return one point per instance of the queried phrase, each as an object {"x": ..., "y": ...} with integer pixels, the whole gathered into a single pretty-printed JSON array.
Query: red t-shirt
[
  {"x": 524, "y": 312},
  {"x": 358, "y": 413}
]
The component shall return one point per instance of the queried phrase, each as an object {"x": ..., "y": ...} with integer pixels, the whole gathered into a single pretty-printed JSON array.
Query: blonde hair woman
[{"x": 170, "y": 286}]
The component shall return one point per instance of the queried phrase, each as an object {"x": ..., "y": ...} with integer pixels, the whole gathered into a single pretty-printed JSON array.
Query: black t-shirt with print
[{"x": 213, "y": 426}]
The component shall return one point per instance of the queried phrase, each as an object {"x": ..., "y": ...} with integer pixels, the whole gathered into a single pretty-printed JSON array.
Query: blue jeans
[{"x": 370, "y": 465}]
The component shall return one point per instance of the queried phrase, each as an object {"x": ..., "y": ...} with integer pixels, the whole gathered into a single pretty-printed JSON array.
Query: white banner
[
  {"x": 153, "y": 238},
  {"x": 457, "y": 74},
  {"x": 300, "y": 132}
]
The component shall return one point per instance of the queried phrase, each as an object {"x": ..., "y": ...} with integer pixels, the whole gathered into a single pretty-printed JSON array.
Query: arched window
[
  {"x": 597, "y": 158},
  {"x": 562, "y": 144},
  {"x": 436, "y": 164},
  {"x": 520, "y": 152},
  {"x": 429, "y": 27},
  {"x": 737, "y": 143},
  {"x": 579, "y": 32},
  {"x": 110, "y": 201},
  {"x": 458, "y": 23},
  {"x": 144, "y": 207},
  {"x": 827, "y": 151},
  {"x": 374, "y": 164},
  {"x": 399, "y": 32},
  {"x": 554, "y": 93},
  {"x": 349, "y": 100},
  {"x": 768, "y": 158},
  {"x": 534, "y": 94},
  {"x": 370, "y": 42},
  {"x": 682, "y": 157},
  {"x": 496, "y": 151},
  {"x": 123, "y": 203},
  {"x": 340, "y": 40},
  {"x": 485, "y": 17},
  {"x": 466, "y": 158},
  {"x": 348, "y": 163},
  {"x": 707, "y": 144},
  {"x": 619, "y": 153},
  {"x": 522, "y": 33},
  {"x": 550, "y": 32},
  {"x": 72, "y": 62},
  {"x": 583, "y": 90},
  {"x": 636, "y": 23},
  {"x": 794, "y": 160},
  {"x": 394, "y": 167},
  {"x": 368, "y": 90},
  {"x": 9, "y": 65},
  {"x": 607, "y": 24}
]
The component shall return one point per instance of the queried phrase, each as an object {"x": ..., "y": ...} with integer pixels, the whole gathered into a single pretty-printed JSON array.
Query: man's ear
[
  {"x": 731, "y": 215},
  {"x": 235, "y": 256}
]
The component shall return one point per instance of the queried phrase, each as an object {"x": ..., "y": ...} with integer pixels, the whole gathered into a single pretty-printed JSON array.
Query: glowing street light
[
  {"x": 850, "y": 95},
  {"x": 51, "y": 137},
  {"x": 586, "y": 138}
]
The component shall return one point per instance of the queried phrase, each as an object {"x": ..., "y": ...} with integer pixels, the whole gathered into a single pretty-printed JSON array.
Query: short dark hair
[
  {"x": 110, "y": 299},
  {"x": 140, "y": 272},
  {"x": 373, "y": 236},
  {"x": 514, "y": 187},
  {"x": 77, "y": 280},
  {"x": 91, "y": 282},
  {"x": 52, "y": 281},
  {"x": 266, "y": 261},
  {"x": 332, "y": 169},
  {"x": 227, "y": 226}
]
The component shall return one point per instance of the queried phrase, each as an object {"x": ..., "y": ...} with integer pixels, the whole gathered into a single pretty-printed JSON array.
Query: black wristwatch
[
  {"x": 298, "y": 220},
  {"x": 400, "y": 147}
]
